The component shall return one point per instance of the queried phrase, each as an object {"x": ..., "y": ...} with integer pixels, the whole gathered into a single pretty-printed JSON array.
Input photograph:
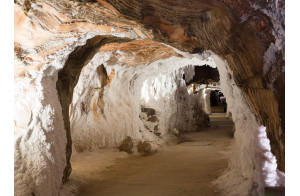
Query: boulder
[
  {"x": 144, "y": 148},
  {"x": 126, "y": 145}
]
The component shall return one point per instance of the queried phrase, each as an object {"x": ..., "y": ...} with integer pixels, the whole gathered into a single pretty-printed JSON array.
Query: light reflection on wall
[
  {"x": 271, "y": 175},
  {"x": 156, "y": 88}
]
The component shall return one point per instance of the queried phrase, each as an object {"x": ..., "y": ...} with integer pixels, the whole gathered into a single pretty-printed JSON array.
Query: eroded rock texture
[
  {"x": 249, "y": 35},
  {"x": 55, "y": 40}
]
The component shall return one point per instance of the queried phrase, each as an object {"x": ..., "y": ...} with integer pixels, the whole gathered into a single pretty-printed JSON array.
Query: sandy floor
[
  {"x": 187, "y": 168},
  {"x": 219, "y": 108}
]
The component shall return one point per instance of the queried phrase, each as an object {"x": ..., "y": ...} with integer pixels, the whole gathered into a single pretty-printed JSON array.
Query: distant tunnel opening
[
  {"x": 218, "y": 102},
  {"x": 207, "y": 81}
]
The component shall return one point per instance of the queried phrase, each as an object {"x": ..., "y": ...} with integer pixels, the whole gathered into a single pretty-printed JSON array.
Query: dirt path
[{"x": 184, "y": 169}]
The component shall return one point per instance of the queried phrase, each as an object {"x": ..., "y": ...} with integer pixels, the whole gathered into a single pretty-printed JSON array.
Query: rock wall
[
  {"x": 40, "y": 140},
  {"x": 249, "y": 35},
  {"x": 205, "y": 97},
  {"x": 243, "y": 168}
]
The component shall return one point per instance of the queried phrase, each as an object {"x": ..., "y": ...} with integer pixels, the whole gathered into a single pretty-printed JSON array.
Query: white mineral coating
[
  {"x": 271, "y": 176},
  {"x": 205, "y": 96},
  {"x": 40, "y": 136},
  {"x": 243, "y": 170},
  {"x": 153, "y": 85},
  {"x": 189, "y": 73}
]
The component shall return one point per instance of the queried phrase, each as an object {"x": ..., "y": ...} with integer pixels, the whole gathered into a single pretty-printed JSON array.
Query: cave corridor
[{"x": 176, "y": 97}]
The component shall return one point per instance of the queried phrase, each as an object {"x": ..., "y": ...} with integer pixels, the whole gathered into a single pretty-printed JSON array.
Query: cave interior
[{"x": 122, "y": 88}]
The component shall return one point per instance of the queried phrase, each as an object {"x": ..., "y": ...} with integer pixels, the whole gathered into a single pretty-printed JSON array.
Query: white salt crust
[{"x": 155, "y": 85}]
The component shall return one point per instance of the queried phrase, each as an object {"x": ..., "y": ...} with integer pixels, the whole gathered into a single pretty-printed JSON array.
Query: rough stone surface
[
  {"x": 153, "y": 119},
  {"x": 144, "y": 148},
  {"x": 126, "y": 145}
]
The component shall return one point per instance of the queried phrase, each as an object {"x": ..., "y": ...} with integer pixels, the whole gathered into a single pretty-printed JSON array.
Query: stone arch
[{"x": 68, "y": 78}]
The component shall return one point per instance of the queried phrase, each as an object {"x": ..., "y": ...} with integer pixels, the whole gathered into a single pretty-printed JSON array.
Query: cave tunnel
[{"x": 149, "y": 98}]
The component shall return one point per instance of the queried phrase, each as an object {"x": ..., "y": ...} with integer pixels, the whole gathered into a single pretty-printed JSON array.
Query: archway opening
[
  {"x": 140, "y": 112},
  {"x": 218, "y": 102},
  {"x": 153, "y": 105}
]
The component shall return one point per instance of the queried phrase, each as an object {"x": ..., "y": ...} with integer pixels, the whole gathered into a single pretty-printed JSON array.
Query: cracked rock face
[{"x": 142, "y": 45}]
